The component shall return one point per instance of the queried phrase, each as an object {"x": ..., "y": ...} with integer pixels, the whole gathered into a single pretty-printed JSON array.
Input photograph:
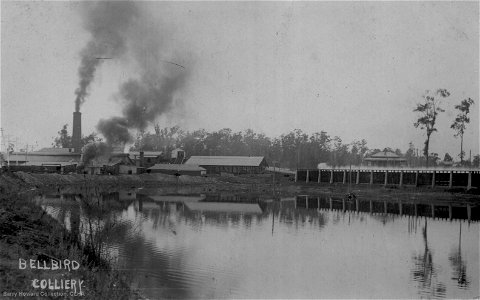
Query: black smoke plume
[
  {"x": 108, "y": 23},
  {"x": 127, "y": 29},
  {"x": 95, "y": 150},
  {"x": 144, "y": 100}
]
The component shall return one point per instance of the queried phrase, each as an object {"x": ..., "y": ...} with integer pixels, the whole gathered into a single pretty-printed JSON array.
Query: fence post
[
  {"x": 469, "y": 186},
  {"x": 357, "y": 181},
  {"x": 371, "y": 176},
  {"x": 433, "y": 179},
  {"x": 450, "y": 180},
  {"x": 401, "y": 179},
  {"x": 416, "y": 178},
  {"x": 344, "y": 176},
  {"x": 386, "y": 177},
  {"x": 308, "y": 176},
  {"x": 331, "y": 176}
]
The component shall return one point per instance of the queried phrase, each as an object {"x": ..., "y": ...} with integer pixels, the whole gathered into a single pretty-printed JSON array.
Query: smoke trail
[
  {"x": 108, "y": 24},
  {"x": 144, "y": 100},
  {"x": 95, "y": 150},
  {"x": 156, "y": 86}
]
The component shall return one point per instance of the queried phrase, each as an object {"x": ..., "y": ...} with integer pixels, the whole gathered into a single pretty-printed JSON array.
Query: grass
[{"x": 27, "y": 232}]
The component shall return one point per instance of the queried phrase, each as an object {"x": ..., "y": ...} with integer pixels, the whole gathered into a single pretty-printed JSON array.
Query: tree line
[{"x": 298, "y": 149}]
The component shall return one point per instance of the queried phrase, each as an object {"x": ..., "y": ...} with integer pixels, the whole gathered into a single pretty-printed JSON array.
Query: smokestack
[{"x": 77, "y": 132}]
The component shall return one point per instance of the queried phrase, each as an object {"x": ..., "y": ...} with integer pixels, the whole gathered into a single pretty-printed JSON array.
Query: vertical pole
[
  {"x": 401, "y": 179},
  {"x": 357, "y": 205},
  {"x": 307, "y": 179},
  {"x": 400, "y": 208},
  {"x": 469, "y": 212},
  {"x": 450, "y": 212},
  {"x": 433, "y": 179},
  {"x": 343, "y": 204},
  {"x": 450, "y": 180},
  {"x": 344, "y": 176},
  {"x": 357, "y": 181},
  {"x": 416, "y": 209},
  {"x": 469, "y": 186},
  {"x": 331, "y": 203},
  {"x": 296, "y": 175},
  {"x": 371, "y": 206},
  {"x": 331, "y": 176},
  {"x": 385, "y": 206},
  {"x": 371, "y": 177},
  {"x": 416, "y": 178},
  {"x": 319, "y": 176},
  {"x": 306, "y": 202},
  {"x": 318, "y": 203},
  {"x": 386, "y": 178},
  {"x": 433, "y": 211}
]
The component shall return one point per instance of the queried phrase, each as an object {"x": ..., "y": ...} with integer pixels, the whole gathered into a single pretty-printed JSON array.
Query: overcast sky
[{"x": 353, "y": 69}]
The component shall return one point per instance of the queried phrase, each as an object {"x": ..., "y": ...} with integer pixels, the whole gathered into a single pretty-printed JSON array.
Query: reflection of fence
[
  {"x": 421, "y": 209},
  {"x": 445, "y": 178}
]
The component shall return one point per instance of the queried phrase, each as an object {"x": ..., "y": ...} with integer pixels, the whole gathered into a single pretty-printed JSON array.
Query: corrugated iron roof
[
  {"x": 176, "y": 167},
  {"x": 386, "y": 154},
  {"x": 251, "y": 161}
]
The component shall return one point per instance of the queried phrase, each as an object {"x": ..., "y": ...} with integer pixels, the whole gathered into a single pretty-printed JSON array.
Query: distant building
[
  {"x": 118, "y": 163},
  {"x": 177, "y": 156},
  {"x": 173, "y": 169},
  {"x": 230, "y": 164},
  {"x": 43, "y": 157},
  {"x": 147, "y": 159},
  {"x": 385, "y": 159}
]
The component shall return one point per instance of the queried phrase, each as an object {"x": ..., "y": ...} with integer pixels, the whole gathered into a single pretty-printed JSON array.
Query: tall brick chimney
[{"x": 77, "y": 132}]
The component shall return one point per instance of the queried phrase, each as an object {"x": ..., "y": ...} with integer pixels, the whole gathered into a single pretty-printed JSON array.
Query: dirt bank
[{"x": 28, "y": 234}]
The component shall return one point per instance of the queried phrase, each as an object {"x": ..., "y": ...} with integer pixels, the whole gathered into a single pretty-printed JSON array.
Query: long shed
[{"x": 230, "y": 164}]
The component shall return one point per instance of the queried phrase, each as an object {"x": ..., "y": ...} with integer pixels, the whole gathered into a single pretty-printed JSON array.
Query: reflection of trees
[
  {"x": 459, "y": 266},
  {"x": 425, "y": 271}
]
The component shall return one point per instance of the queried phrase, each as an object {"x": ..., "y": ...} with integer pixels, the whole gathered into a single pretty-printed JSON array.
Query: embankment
[{"x": 29, "y": 234}]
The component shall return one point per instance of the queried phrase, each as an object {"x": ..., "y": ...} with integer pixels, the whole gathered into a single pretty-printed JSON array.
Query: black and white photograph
[{"x": 239, "y": 150}]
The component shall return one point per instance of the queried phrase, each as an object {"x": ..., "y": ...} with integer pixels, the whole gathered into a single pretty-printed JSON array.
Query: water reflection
[
  {"x": 459, "y": 274},
  {"x": 201, "y": 245}
]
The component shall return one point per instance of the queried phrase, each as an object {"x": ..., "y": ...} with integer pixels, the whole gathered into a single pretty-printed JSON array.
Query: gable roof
[
  {"x": 250, "y": 161},
  {"x": 385, "y": 155}
]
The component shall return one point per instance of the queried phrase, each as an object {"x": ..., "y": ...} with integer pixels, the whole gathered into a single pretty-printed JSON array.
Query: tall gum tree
[
  {"x": 461, "y": 121},
  {"x": 428, "y": 111}
]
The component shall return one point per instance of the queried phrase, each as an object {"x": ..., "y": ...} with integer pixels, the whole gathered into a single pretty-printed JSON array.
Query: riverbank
[{"x": 31, "y": 245}]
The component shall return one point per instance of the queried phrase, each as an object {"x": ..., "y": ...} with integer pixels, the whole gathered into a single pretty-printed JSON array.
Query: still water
[{"x": 199, "y": 246}]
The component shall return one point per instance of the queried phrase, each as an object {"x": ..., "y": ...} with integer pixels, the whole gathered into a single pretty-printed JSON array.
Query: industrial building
[
  {"x": 229, "y": 164},
  {"x": 45, "y": 160}
]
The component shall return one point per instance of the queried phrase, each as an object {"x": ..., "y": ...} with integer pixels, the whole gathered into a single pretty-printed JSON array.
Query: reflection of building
[
  {"x": 230, "y": 164},
  {"x": 224, "y": 207},
  {"x": 385, "y": 159},
  {"x": 173, "y": 169}
]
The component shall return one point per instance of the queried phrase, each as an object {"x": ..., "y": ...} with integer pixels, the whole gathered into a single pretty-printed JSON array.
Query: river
[{"x": 194, "y": 245}]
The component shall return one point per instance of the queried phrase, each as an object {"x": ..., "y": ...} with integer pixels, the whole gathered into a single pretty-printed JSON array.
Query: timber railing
[{"x": 399, "y": 177}]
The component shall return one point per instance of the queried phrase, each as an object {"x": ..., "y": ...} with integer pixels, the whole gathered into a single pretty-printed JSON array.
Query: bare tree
[
  {"x": 460, "y": 122},
  {"x": 428, "y": 111}
]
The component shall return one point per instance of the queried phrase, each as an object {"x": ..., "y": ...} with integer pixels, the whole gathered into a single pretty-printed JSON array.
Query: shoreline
[
  {"x": 27, "y": 232},
  {"x": 30, "y": 235}
]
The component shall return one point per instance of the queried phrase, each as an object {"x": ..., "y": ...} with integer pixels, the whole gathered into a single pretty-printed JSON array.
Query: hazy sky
[{"x": 353, "y": 69}]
